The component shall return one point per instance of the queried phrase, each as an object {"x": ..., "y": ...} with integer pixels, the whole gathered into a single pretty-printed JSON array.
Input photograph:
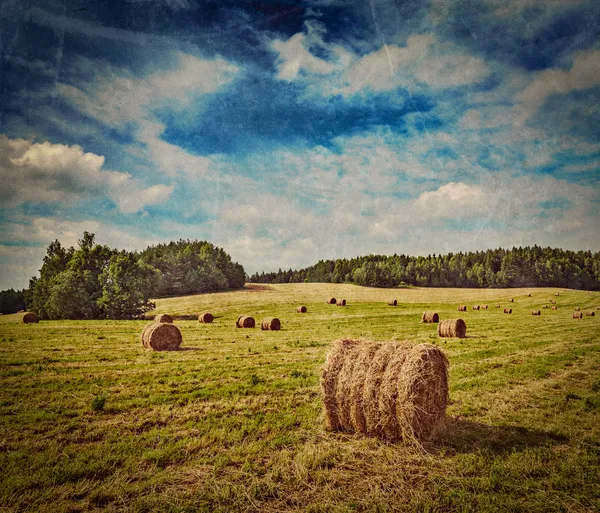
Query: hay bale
[
  {"x": 577, "y": 315},
  {"x": 590, "y": 313},
  {"x": 484, "y": 307},
  {"x": 508, "y": 310},
  {"x": 452, "y": 328},
  {"x": 30, "y": 318},
  {"x": 555, "y": 308},
  {"x": 341, "y": 302},
  {"x": 462, "y": 308},
  {"x": 161, "y": 337},
  {"x": 577, "y": 309},
  {"x": 430, "y": 317},
  {"x": 393, "y": 302},
  {"x": 497, "y": 306},
  {"x": 245, "y": 321},
  {"x": 476, "y": 307},
  {"x": 528, "y": 295},
  {"x": 272, "y": 323},
  {"x": 556, "y": 294},
  {"x": 553, "y": 301},
  {"x": 395, "y": 391},
  {"x": 536, "y": 312},
  {"x": 545, "y": 306},
  {"x": 331, "y": 301},
  {"x": 511, "y": 300},
  {"x": 162, "y": 318},
  {"x": 206, "y": 318},
  {"x": 301, "y": 309}
]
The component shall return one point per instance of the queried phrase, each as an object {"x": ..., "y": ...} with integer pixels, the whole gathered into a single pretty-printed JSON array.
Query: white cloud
[
  {"x": 452, "y": 200},
  {"x": 486, "y": 117}
]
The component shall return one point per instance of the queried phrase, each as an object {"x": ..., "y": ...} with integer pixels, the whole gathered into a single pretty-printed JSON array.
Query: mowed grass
[{"x": 90, "y": 421}]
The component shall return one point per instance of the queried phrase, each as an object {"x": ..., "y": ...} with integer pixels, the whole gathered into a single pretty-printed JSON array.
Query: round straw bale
[
  {"x": 484, "y": 307},
  {"x": 452, "y": 328},
  {"x": 30, "y": 318},
  {"x": 508, "y": 310},
  {"x": 161, "y": 318},
  {"x": 577, "y": 309},
  {"x": 556, "y": 294},
  {"x": 545, "y": 306},
  {"x": 390, "y": 390},
  {"x": 528, "y": 295},
  {"x": 552, "y": 301},
  {"x": 301, "y": 309},
  {"x": 161, "y": 337},
  {"x": 476, "y": 307},
  {"x": 577, "y": 315},
  {"x": 393, "y": 302},
  {"x": 511, "y": 300},
  {"x": 555, "y": 308},
  {"x": 206, "y": 318},
  {"x": 331, "y": 301},
  {"x": 430, "y": 317},
  {"x": 245, "y": 321},
  {"x": 536, "y": 312},
  {"x": 341, "y": 302},
  {"x": 237, "y": 322},
  {"x": 590, "y": 313},
  {"x": 462, "y": 308},
  {"x": 497, "y": 306},
  {"x": 272, "y": 323}
]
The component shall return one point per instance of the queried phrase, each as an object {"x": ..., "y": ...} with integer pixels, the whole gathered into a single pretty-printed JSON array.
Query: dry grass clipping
[
  {"x": 30, "y": 318},
  {"x": 452, "y": 328},
  {"x": 162, "y": 318},
  {"x": 161, "y": 337},
  {"x": 508, "y": 310},
  {"x": 301, "y": 309},
  {"x": 394, "y": 391},
  {"x": 245, "y": 321},
  {"x": 536, "y": 312},
  {"x": 206, "y": 318},
  {"x": 430, "y": 317},
  {"x": 331, "y": 301},
  {"x": 577, "y": 315},
  {"x": 272, "y": 323},
  {"x": 462, "y": 308},
  {"x": 393, "y": 302}
]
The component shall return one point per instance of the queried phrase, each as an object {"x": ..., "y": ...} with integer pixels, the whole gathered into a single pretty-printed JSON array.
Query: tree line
[
  {"x": 97, "y": 282},
  {"x": 516, "y": 267}
]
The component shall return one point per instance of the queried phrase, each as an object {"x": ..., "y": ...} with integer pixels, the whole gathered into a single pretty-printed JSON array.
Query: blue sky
[{"x": 287, "y": 132}]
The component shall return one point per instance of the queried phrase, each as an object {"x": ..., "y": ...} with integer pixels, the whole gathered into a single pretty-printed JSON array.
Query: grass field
[{"x": 90, "y": 421}]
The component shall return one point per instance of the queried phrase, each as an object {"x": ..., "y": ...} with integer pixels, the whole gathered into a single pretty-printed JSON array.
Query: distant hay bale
[
  {"x": 272, "y": 324},
  {"x": 301, "y": 309},
  {"x": 508, "y": 310},
  {"x": 511, "y": 300},
  {"x": 245, "y": 321},
  {"x": 528, "y": 295},
  {"x": 341, "y": 302},
  {"x": 206, "y": 318},
  {"x": 556, "y": 294},
  {"x": 430, "y": 317},
  {"x": 476, "y": 307},
  {"x": 452, "y": 328},
  {"x": 536, "y": 312},
  {"x": 161, "y": 337},
  {"x": 577, "y": 309},
  {"x": 555, "y": 308},
  {"x": 577, "y": 315},
  {"x": 462, "y": 308},
  {"x": 590, "y": 313},
  {"x": 394, "y": 390},
  {"x": 484, "y": 307},
  {"x": 497, "y": 306},
  {"x": 393, "y": 302},
  {"x": 30, "y": 318},
  {"x": 545, "y": 306},
  {"x": 162, "y": 318},
  {"x": 552, "y": 301},
  {"x": 331, "y": 301}
]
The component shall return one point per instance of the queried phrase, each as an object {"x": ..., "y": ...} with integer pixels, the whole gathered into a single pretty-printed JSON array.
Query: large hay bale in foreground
[
  {"x": 393, "y": 302},
  {"x": 590, "y": 313},
  {"x": 271, "y": 323},
  {"x": 161, "y": 337},
  {"x": 206, "y": 318},
  {"x": 245, "y": 321},
  {"x": 162, "y": 318},
  {"x": 392, "y": 390},
  {"x": 452, "y": 328},
  {"x": 476, "y": 307},
  {"x": 430, "y": 317},
  {"x": 341, "y": 302},
  {"x": 536, "y": 312},
  {"x": 331, "y": 301},
  {"x": 462, "y": 308},
  {"x": 301, "y": 309},
  {"x": 30, "y": 318},
  {"x": 577, "y": 315},
  {"x": 508, "y": 310}
]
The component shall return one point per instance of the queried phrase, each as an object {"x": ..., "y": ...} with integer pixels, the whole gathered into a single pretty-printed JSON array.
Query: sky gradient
[{"x": 288, "y": 132}]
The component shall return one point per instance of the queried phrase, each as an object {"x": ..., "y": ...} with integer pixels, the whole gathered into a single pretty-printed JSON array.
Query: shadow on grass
[
  {"x": 460, "y": 436},
  {"x": 188, "y": 348}
]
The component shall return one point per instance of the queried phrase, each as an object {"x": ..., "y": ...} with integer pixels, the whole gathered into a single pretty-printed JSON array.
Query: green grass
[{"x": 91, "y": 421}]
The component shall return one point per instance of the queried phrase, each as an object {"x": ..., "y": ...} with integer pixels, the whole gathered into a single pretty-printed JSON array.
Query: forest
[{"x": 516, "y": 267}]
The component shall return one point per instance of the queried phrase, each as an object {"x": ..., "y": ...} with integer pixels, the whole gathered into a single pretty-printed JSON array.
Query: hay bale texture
[
  {"x": 161, "y": 337},
  {"x": 508, "y": 310},
  {"x": 341, "y": 302},
  {"x": 162, "y": 318},
  {"x": 452, "y": 328},
  {"x": 536, "y": 312},
  {"x": 245, "y": 321},
  {"x": 206, "y": 318},
  {"x": 272, "y": 323},
  {"x": 590, "y": 313},
  {"x": 393, "y": 302},
  {"x": 394, "y": 390},
  {"x": 462, "y": 308},
  {"x": 331, "y": 301},
  {"x": 301, "y": 309},
  {"x": 577, "y": 315},
  {"x": 30, "y": 318},
  {"x": 430, "y": 317}
]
